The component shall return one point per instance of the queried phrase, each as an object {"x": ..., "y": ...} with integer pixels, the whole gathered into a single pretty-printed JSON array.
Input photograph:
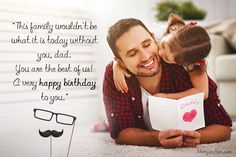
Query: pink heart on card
[{"x": 189, "y": 116}]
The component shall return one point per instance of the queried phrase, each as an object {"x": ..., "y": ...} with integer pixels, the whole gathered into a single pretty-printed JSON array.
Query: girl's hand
[
  {"x": 119, "y": 74},
  {"x": 162, "y": 95}
]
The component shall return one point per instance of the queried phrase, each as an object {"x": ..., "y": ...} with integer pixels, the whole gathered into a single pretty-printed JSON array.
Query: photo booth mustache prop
[
  {"x": 61, "y": 118},
  {"x": 48, "y": 133}
]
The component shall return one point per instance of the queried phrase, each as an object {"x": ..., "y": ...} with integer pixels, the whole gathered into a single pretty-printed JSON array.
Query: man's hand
[
  {"x": 191, "y": 138},
  {"x": 171, "y": 138}
]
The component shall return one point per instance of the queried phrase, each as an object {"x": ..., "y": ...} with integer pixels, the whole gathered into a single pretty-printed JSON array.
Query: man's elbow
[
  {"x": 122, "y": 137},
  {"x": 227, "y": 133},
  {"x": 130, "y": 136},
  {"x": 119, "y": 141}
]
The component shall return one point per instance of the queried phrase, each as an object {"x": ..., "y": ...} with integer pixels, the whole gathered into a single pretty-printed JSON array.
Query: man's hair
[
  {"x": 118, "y": 29},
  {"x": 190, "y": 44}
]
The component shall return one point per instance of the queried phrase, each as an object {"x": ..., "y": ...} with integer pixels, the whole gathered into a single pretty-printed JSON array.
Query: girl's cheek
[{"x": 160, "y": 53}]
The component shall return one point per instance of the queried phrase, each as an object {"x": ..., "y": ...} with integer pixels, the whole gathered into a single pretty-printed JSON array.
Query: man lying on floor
[{"x": 135, "y": 49}]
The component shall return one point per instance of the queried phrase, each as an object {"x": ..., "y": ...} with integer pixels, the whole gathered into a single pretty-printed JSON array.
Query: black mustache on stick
[{"x": 48, "y": 133}]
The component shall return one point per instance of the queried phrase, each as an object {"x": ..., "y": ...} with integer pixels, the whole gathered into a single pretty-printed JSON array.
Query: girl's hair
[
  {"x": 189, "y": 45},
  {"x": 173, "y": 19}
]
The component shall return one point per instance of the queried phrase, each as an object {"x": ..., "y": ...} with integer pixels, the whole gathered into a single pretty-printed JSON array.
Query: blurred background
[{"x": 16, "y": 103}]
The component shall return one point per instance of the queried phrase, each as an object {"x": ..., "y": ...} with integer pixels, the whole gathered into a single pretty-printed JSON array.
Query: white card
[{"x": 183, "y": 114}]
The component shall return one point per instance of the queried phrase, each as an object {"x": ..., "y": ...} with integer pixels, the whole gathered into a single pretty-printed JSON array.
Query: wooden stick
[
  {"x": 71, "y": 136},
  {"x": 51, "y": 146}
]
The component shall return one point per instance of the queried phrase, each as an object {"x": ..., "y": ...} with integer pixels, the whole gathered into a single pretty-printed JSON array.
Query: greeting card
[{"x": 183, "y": 114}]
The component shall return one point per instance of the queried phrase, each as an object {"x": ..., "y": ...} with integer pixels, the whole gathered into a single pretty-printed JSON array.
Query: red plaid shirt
[{"x": 125, "y": 110}]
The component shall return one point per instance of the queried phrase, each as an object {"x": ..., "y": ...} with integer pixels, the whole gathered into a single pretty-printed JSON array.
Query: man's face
[{"x": 138, "y": 52}]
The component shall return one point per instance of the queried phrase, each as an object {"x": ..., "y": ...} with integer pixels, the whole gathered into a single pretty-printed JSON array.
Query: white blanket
[{"x": 101, "y": 145}]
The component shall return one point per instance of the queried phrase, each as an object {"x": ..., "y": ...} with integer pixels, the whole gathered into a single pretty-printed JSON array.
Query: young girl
[{"x": 187, "y": 45}]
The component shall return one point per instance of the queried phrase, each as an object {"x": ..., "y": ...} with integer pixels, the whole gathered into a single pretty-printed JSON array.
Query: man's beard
[{"x": 142, "y": 74}]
